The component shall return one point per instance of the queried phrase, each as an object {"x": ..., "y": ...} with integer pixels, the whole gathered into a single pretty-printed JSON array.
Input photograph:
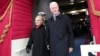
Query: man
[{"x": 61, "y": 34}]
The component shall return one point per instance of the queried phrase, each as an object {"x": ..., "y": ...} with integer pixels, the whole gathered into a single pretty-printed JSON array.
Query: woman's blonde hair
[{"x": 40, "y": 18}]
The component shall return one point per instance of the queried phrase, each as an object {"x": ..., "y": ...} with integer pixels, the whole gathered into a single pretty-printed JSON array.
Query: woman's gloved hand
[{"x": 28, "y": 50}]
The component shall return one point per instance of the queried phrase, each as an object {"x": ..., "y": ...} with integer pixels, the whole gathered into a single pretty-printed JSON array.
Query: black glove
[{"x": 28, "y": 50}]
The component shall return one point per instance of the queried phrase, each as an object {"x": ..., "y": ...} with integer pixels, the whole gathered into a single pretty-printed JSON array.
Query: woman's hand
[{"x": 28, "y": 50}]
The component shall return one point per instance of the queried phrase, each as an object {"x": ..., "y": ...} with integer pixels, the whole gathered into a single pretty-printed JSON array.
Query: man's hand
[
  {"x": 48, "y": 47},
  {"x": 70, "y": 49}
]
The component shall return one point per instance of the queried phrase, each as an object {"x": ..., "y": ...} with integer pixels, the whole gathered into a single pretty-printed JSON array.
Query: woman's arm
[{"x": 30, "y": 42}]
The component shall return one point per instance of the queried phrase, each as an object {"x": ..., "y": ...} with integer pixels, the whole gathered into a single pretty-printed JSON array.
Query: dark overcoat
[
  {"x": 37, "y": 39},
  {"x": 61, "y": 35}
]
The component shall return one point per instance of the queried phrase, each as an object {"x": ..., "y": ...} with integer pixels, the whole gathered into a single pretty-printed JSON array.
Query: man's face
[{"x": 54, "y": 9}]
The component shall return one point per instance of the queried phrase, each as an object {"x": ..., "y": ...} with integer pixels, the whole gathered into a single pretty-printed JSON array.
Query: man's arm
[
  {"x": 47, "y": 38},
  {"x": 70, "y": 33}
]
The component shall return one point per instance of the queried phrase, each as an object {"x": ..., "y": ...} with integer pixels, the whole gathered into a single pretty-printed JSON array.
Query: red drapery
[
  {"x": 3, "y": 6},
  {"x": 21, "y": 22},
  {"x": 94, "y": 20},
  {"x": 5, "y": 47}
]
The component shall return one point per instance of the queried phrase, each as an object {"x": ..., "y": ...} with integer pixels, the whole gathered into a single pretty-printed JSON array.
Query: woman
[{"x": 37, "y": 38}]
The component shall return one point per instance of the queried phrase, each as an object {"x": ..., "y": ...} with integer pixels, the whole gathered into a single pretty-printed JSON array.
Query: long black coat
[
  {"x": 61, "y": 35},
  {"x": 37, "y": 38}
]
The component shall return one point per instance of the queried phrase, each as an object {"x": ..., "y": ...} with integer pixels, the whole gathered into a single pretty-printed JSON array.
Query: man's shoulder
[
  {"x": 65, "y": 16},
  {"x": 47, "y": 20},
  {"x": 50, "y": 18}
]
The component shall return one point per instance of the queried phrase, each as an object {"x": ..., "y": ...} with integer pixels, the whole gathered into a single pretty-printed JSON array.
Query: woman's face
[{"x": 38, "y": 21}]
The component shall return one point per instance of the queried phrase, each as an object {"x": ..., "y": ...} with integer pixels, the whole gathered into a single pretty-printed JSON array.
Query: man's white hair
[{"x": 53, "y": 3}]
